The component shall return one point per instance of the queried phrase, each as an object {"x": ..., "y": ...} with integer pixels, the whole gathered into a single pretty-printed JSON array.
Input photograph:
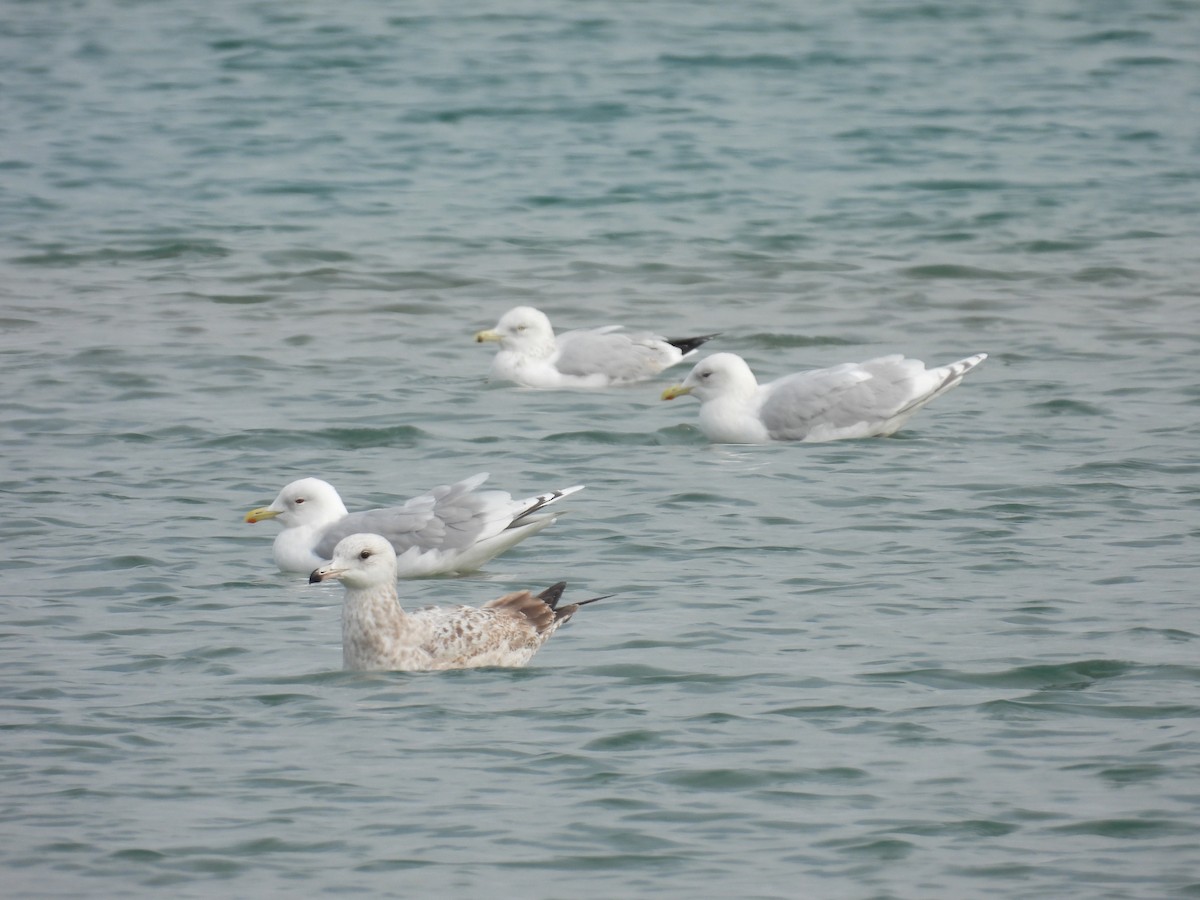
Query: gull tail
[
  {"x": 541, "y": 611},
  {"x": 942, "y": 378},
  {"x": 551, "y": 595}
]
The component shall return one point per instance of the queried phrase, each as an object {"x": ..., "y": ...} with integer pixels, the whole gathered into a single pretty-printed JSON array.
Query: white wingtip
[{"x": 957, "y": 369}]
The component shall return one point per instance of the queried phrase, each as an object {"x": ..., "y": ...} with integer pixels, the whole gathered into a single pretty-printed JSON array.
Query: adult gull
[
  {"x": 451, "y": 528},
  {"x": 854, "y": 400},
  {"x": 532, "y": 355}
]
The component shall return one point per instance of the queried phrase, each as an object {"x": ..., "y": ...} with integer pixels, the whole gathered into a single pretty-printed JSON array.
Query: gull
[
  {"x": 531, "y": 355},
  {"x": 854, "y": 400},
  {"x": 378, "y": 635},
  {"x": 450, "y": 528}
]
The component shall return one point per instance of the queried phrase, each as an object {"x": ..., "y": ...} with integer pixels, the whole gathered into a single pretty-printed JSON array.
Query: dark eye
[
  {"x": 705, "y": 374},
  {"x": 298, "y": 500},
  {"x": 366, "y": 554}
]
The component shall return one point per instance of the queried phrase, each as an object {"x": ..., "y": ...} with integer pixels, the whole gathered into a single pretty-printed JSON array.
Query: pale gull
[
  {"x": 377, "y": 634},
  {"x": 532, "y": 355},
  {"x": 451, "y": 528},
  {"x": 853, "y": 400}
]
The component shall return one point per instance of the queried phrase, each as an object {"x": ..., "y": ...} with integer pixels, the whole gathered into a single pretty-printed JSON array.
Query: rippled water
[{"x": 248, "y": 241}]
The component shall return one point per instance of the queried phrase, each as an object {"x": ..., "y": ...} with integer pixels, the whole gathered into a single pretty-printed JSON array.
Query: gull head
[
  {"x": 719, "y": 375},
  {"x": 359, "y": 561},
  {"x": 522, "y": 329},
  {"x": 309, "y": 501}
]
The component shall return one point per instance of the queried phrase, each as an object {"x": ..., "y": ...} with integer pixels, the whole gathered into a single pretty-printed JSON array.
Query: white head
[
  {"x": 359, "y": 561},
  {"x": 309, "y": 501},
  {"x": 719, "y": 375},
  {"x": 524, "y": 330}
]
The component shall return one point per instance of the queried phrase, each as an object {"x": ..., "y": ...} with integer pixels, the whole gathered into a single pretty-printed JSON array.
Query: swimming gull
[
  {"x": 531, "y": 355},
  {"x": 853, "y": 400},
  {"x": 377, "y": 634},
  {"x": 451, "y": 528}
]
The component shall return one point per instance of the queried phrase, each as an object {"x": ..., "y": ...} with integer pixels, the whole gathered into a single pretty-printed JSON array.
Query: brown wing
[{"x": 537, "y": 610}]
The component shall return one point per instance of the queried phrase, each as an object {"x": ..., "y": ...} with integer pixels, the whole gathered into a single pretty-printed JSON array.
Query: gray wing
[
  {"x": 448, "y": 517},
  {"x": 619, "y": 355},
  {"x": 839, "y": 397}
]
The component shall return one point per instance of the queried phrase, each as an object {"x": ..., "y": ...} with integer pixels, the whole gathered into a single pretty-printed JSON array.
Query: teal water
[{"x": 244, "y": 242}]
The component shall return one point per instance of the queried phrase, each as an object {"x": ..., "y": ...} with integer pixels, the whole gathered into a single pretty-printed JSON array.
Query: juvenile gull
[
  {"x": 451, "y": 528},
  {"x": 377, "y": 634},
  {"x": 531, "y": 355},
  {"x": 853, "y": 400}
]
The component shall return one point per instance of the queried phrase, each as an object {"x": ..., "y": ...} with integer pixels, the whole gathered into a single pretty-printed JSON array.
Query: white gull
[
  {"x": 450, "y": 528},
  {"x": 532, "y": 355},
  {"x": 854, "y": 400}
]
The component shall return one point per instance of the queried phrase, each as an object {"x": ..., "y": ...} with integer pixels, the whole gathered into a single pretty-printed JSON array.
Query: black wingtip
[
  {"x": 315, "y": 577},
  {"x": 687, "y": 345},
  {"x": 540, "y": 503},
  {"x": 594, "y": 599},
  {"x": 551, "y": 595},
  {"x": 565, "y": 613}
]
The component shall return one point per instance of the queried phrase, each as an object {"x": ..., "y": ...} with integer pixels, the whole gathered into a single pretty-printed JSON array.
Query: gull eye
[
  {"x": 366, "y": 554},
  {"x": 520, "y": 328},
  {"x": 298, "y": 500}
]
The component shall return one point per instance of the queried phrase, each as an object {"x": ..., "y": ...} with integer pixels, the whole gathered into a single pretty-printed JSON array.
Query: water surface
[{"x": 245, "y": 242}]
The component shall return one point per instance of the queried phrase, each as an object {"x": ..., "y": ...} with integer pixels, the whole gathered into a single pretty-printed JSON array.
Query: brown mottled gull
[
  {"x": 532, "y": 355},
  {"x": 378, "y": 635},
  {"x": 853, "y": 400},
  {"x": 450, "y": 528}
]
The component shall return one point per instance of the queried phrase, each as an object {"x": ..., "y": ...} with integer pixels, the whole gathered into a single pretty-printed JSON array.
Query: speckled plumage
[{"x": 378, "y": 634}]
